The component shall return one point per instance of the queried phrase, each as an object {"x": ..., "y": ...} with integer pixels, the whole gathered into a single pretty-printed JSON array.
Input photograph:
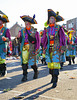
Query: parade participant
[
  {"x": 4, "y": 37},
  {"x": 72, "y": 46},
  {"x": 30, "y": 43},
  {"x": 54, "y": 44},
  {"x": 67, "y": 53},
  {"x": 43, "y": 59},
  {"x": 41, "y": 50},
  {"x": 64, "y": 57},
  {"x": 16, "y": 44}
]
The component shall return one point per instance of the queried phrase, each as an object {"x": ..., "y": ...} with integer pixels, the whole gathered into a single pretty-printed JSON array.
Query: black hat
[
  {"x": 56, "y": 15},
  {"x": 4, "y": 18},
  {"x": 29, "y": 19}
]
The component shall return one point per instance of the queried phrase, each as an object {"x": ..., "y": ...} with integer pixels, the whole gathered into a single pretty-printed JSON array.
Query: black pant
[
  {"x": 54, "y": 73},
  {"x": 2, "y": 69},
  {"x": 24, "y": 68}
]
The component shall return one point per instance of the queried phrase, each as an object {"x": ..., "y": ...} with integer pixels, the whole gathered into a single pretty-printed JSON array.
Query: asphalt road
[{"x": 11, "y": 87}]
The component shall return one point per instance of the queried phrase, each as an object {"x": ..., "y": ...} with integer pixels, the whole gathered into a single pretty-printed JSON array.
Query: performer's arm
[
  {"x": 7, "y": 37},
  {"x": 44, "y": 40},
  {"x": 37, "y": 45},
  {"x": 62, "y": 39}
]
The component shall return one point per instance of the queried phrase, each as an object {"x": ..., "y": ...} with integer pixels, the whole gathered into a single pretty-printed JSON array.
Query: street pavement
[{"x": 11, "y": 87}]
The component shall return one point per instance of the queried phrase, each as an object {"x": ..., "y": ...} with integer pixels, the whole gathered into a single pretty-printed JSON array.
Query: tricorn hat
[
  {"x": 56, "y": 15},
  {"x": 4, "y": 18},
  {"x": 29, "y": 19}
]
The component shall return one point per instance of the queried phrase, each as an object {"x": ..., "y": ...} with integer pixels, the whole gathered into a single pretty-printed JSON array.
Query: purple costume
[
  {"x": 53, "y": 51},
  {"x": 32, "y": 47}
]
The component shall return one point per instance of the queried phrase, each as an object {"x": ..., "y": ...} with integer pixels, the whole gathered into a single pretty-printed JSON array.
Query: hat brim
[
  {"x": 57, "y": 17},
  {"x": 4, "y": 19},
  {"x": 29, "y": 19}
]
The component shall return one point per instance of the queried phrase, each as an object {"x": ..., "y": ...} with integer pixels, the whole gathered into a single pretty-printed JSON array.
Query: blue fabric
[
  {"x": 73, "y": 49},
  {"x": 73, "y": 52},
  {"x": 48, "y": 59},
  {"x": 62, "y": 57},
  {"x": 2, "y": 45},
  {"x": 55, "y": 58},
  {"x": 30, "y": 62},
  {"x": 67, "y": 52}
]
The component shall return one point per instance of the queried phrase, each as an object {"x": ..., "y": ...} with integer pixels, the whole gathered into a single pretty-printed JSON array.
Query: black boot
[
  {"x": 52, "y": 79},
  {"x": 54, "y": 85},
  {"x": 24, "y": 78},
  {"x": 61, "y": 64},
  {"x": 54, "y": 73},
  {"x": 69, "y": 61},
  {"x": 73, "y": 60},
  {"x": 51, "y": 72},
  {"x": 2, "y": 69},
  {"x": 55, "y": 79},
  {"x": 42, "y": 61},
  {"x": 34, "y": 67},
  {"x": 24, "y": 67}
]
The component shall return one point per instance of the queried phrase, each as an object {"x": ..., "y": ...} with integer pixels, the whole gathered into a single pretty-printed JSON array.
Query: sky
[{"x": 16, "y": 8}]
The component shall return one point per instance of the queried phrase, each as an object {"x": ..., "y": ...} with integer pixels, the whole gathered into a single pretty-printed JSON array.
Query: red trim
[
  {"x": 26, "y": 43},
  {"x": 1, "y": 27}
]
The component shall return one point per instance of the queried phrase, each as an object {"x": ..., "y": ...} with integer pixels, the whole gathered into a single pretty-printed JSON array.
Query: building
[
  {"x": 15, "y": 29},
  {"x": 72, "y": 23}
]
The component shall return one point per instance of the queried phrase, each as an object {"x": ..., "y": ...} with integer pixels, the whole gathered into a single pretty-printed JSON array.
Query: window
[{"x": 70, "y": 25}]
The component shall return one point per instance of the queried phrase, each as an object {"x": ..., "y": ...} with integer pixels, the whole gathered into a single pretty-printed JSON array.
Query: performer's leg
[
  {"x": 55, "y": 77},
  {"x": 24, "y": 67},
  {"x": 42, "y": 60},
  {"x": 61, "y": 64},
  {"x": 51, "y": 72},
  {"x": 34, "y": 67},
  {"x": 73, "y": 60},
  {"x": 69, "y": 60},
  {"x": 2, "y": 69}
]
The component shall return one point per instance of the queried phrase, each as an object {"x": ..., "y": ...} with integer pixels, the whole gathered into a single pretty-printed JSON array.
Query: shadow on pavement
[
  {"x": 15, "y": 80},
  {"x": 33, "y": 91},
  {"x": 13, "y": 64},
  {"x": 69, "y": 67}
]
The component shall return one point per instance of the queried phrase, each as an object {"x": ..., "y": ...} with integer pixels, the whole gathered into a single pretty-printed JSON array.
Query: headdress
[
  {"x": 29, "y": 19},
  {"x": 55, "y": 15},
  {"x": 4, "y": 18}
]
